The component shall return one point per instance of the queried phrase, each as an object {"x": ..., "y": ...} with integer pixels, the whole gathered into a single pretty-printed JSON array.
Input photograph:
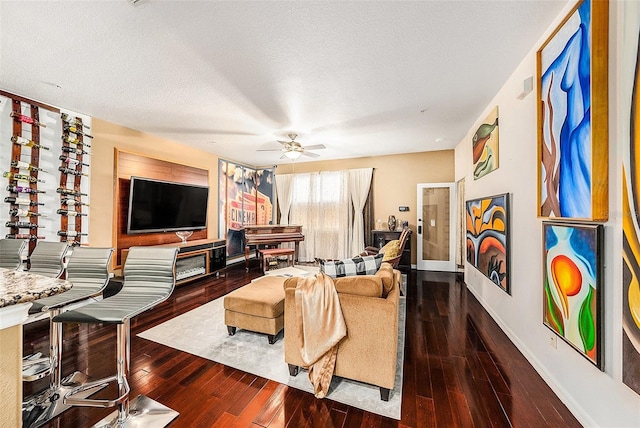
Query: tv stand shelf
[{"x": 196, "y": 259}]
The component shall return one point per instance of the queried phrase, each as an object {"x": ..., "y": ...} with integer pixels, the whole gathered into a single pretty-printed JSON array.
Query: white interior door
[{"x": 437, "y": 207}]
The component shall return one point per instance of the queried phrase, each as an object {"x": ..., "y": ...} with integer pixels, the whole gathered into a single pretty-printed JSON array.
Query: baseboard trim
[{"x": 573, "y": 406}]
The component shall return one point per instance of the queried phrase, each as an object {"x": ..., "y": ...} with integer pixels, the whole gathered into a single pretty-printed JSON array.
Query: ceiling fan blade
[
  {"x": 270, "y": 150},
  {"x": 315, "y": 147},
  {"x": 311, "y": 155},
  {"x": 284, "y": 143}
]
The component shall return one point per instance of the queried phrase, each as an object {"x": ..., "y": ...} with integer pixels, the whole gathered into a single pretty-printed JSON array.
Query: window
[{"x": 320, "y": 203}]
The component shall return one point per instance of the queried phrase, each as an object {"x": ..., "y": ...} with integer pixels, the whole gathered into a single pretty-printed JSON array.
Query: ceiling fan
[{"x": 293, "y": 150}]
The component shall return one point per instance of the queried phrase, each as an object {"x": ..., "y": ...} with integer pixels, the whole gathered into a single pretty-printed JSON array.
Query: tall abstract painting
[
  {"x": 488, "y": 238},
  {"x": 245, "y": 197},
  {"x": 631, "y": 205},
  {"x": 572, "y": 279},
  {"x": 485, "y": 146},
  {"x": 572, "y": 116}
]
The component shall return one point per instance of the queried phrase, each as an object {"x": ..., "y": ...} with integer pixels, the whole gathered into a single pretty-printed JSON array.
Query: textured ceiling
[{"x": 363, "y": 78}]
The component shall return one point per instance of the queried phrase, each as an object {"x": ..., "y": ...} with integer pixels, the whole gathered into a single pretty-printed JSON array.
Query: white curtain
[
  {"x": 359, "y": 183},
  {"x": 284, "y": 184},
  {"x": 321, "y": 204}
]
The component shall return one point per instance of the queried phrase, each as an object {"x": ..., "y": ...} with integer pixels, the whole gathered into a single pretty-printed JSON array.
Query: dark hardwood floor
[{"x": 459, "y": 370}]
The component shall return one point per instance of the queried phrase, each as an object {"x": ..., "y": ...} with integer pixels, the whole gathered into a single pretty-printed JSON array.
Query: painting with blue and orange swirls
[
  {"x": 572, "y": 285},
  {"x": 488, "y": 238},
  {"x": 631, "y": 233},
  {"x": 572, "y": 174}
]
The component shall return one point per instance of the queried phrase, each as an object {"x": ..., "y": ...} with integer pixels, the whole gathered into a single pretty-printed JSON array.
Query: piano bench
[{"x": 267, "y": 253}]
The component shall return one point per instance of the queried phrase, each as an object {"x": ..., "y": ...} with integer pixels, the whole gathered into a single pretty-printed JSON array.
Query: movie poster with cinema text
[{"x": 245, "y": 198}]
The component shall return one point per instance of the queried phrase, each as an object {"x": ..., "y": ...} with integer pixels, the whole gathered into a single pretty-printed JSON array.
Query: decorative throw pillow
[
  {"x": 367, "y": 265},
  {"x": 390, "y": 250}
]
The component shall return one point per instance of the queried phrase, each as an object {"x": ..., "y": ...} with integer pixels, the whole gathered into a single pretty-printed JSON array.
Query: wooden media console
[{"x": 196, "y": 259}]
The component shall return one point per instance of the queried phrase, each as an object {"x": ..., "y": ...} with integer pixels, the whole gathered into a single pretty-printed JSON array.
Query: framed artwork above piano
[{"x": 246, "y": 197}]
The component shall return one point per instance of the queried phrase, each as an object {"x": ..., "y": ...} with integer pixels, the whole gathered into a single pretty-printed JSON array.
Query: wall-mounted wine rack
[{"x": 45, "y": 162}]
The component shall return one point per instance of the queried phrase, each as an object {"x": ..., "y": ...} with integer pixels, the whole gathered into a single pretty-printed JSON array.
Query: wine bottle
[
  {"x": 76, "y": 151},
  {"x": 28, "y": 143},
  {"x": 22, "y": 225},
  {"x": 23, "y": 236},
  {"x": 21, "y": 201},
  {"x": 75, "y": 129},
  {"x": 73, "y": 202},
  {"x": 73, "y": 120},
  {"x": 70, "y": 233},
  {"x": 70, "y": 213},
  {"x": 71, "y": 171},
  {"x": 72, "y": 161},
  {"x": 74, "y": 141},
  {"x": 19, "y": 189},
  {"x": 26, "y": 119},
  {"x": 22, "y": 177},
  {"x": 64, "y": 191},
  {"x": 24, "y": 213},
  {"x": 25, "y": 165}
]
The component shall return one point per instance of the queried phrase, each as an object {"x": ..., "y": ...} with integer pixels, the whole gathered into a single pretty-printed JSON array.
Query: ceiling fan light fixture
[{"x": 292, "y": 154}]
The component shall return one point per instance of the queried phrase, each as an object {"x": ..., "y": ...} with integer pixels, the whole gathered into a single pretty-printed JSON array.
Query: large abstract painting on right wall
[
  {"x": 630, "y": 94},
  {"x": 488, "y": 238},
  {"x": 573, "y": 116},
  {"x": 572, "y": 284}
]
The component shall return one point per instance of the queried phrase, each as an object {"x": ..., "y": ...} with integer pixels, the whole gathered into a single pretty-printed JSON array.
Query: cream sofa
[{"x": 370, "y": 307}]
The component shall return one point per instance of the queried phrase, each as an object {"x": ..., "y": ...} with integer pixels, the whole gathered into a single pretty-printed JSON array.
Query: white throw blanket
[{"x": 321, "y": 327}]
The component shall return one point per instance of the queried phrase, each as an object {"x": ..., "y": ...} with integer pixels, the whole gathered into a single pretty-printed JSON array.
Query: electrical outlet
[{"x": 553, "y": 340}]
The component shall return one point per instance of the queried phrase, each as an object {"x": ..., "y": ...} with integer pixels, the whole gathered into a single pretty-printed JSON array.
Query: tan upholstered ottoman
[{"x": 258, "y": 306}]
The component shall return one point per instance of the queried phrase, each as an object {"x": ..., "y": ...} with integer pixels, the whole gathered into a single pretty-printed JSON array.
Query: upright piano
[{"x": 269, "y": 234}]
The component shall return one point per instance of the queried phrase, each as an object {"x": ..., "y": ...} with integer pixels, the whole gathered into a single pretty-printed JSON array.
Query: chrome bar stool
[
  {"x": 47, "y": 259},
  {"x": 11, "y": 253},
  {"x": 149, "y": 279},
  {"x": 88, "y": 271}
]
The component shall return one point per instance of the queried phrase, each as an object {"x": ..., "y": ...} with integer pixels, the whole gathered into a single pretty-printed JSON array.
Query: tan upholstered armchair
[{"x": 370, "y": 308}]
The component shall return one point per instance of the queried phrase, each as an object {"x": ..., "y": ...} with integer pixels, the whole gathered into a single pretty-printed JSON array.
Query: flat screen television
[{"x": 164, "y": 206}]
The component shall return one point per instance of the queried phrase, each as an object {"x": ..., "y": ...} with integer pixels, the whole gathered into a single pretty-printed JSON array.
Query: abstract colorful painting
[
  {"x": 631, "y": 205},
  {"x": 572, "y": 279},
  {"x": 245, "y": 197},
  {"x": 485, "y": 146},
  {"x": 572, "y": 116},
  {"x": 488, "y": 238}
]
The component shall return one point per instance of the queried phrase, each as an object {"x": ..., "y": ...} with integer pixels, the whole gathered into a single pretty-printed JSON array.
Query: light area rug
[{"x": 202, "y": 332}]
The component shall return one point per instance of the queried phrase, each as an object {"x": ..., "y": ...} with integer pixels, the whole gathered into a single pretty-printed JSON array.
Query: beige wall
[
  {"x": 107, "y": 137},
  {"x": 394, "y": 180}
]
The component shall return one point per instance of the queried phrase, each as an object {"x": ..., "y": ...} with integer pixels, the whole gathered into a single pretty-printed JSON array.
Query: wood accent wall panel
[{"x": 134, "y": 165}]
